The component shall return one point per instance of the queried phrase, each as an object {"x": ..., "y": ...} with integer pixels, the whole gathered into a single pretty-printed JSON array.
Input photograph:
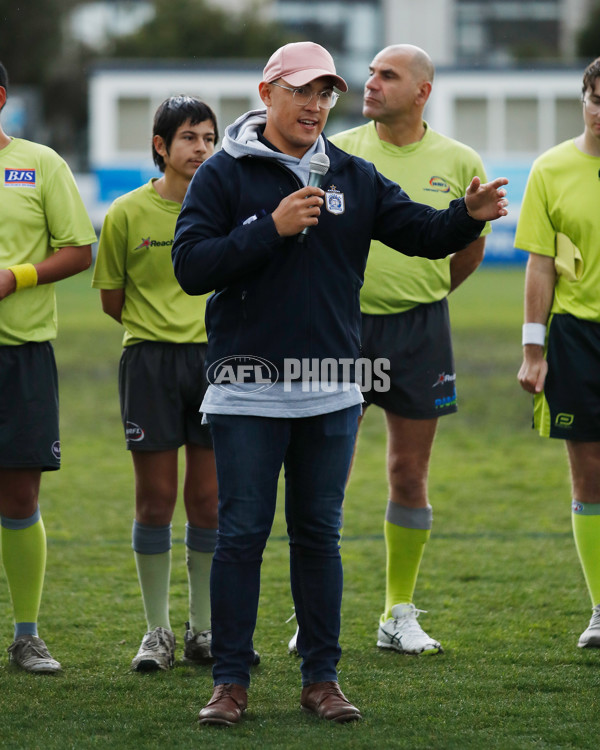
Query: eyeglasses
[
  {"x": 302, "y": 96},
  {"x": 592, "y": 107}
]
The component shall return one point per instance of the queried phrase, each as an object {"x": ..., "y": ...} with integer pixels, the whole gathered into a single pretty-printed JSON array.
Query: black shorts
[
  {"x": 569, "y": 406},
  {"x": 418, "y": 345},
  {"x": 161, "y": 387},
  {"x": 29, "y": 436}
]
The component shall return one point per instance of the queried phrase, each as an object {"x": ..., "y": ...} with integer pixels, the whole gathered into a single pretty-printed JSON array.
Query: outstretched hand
[{"x": 486, "y": 202}]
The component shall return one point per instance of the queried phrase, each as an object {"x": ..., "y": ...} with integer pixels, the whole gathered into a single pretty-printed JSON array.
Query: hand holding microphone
[{"x": 290, "y": 215}]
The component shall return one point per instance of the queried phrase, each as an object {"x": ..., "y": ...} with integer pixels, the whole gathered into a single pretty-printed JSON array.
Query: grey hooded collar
[{"x": 241, "y": 139}]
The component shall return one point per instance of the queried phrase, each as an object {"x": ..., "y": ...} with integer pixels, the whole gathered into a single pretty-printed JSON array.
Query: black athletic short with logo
[
  {"x": 418, "y": 345},
  {"x": 569, "y": 406},
  {"x": 29, "y": 435},
  {"x": 161, "y": 387}
]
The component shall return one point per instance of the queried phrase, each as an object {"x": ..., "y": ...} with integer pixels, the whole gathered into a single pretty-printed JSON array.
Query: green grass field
[{"x": 500, "y": 578}]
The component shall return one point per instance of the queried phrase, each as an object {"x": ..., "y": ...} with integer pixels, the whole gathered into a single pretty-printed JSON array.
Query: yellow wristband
[{"x": 25, "y": 275}]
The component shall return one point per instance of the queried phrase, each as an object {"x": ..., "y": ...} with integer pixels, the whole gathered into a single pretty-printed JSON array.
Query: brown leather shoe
[
  {"x": 226, "y": 706},
  {"x": 326, "y": 700}
]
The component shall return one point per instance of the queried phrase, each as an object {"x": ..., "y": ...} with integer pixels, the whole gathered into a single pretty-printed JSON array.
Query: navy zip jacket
[{"x": 275, "y": 297}]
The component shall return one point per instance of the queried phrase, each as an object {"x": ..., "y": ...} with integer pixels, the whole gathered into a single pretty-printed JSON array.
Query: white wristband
[{"x": 534, "y": 333}]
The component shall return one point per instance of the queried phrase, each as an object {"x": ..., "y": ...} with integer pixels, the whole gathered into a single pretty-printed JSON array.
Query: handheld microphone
[{"x": 318, "y": 166}]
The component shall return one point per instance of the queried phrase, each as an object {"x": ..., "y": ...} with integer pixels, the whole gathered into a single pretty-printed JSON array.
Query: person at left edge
[
  {"x": 45, "y": 236},
  {"x": 161, "y": 380},
  {"x": 283, "y": 301}
]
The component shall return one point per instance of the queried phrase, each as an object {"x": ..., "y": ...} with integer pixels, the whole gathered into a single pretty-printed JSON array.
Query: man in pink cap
[{"x": 286, "y": 260}]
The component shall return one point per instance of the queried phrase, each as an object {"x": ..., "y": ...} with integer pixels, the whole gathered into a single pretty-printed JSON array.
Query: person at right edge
[
  {"x": 559, "y": 227},
  {"x": 286, "y": 301}
]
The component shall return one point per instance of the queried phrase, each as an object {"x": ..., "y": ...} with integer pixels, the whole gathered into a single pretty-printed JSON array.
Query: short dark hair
[
  {"x": 172, "y": 113},
  {"x": 3, "y": 77},
  {"x": 590, "y": 75}
]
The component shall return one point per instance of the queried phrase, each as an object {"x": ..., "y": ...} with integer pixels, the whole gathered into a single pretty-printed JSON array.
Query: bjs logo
[{"x": 19, "y": 177}]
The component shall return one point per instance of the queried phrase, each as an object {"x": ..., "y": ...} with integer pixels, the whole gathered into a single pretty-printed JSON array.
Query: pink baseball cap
[{"x": 302, "y": 62}]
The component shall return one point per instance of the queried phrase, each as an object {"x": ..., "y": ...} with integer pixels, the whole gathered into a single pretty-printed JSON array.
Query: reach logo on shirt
[
  {"x": 147, "y": 243},
  {"x": 19, "y": 177}
]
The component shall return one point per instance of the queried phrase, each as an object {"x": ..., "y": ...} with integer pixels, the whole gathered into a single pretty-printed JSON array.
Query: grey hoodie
[{"x": 241, "y": 139}]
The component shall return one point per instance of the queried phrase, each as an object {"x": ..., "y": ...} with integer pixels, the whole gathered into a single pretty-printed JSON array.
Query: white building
[
  {"x": 122, "y": 101},
  {"x": 507, "y": 114}
]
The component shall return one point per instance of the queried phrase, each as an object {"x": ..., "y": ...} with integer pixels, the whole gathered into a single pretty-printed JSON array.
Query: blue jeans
[{"x": 250, "y": 451}]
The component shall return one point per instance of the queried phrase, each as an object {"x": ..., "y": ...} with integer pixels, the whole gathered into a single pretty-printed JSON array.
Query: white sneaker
[
  {"x": 156, "y": 652},
  {"x": 590, "y": 638},
  {"x": 292, "y": 644},
  {"x": 196, "y": 646},
  {"x": 31, "y": 654},
  {"x": 403, "y": 633}
]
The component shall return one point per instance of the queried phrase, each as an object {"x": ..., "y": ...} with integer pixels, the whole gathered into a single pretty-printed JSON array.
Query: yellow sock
[
  {"x": 24, "y": 559},
  {"x": 154, "y": 574},
  {"x": 404, "y": 551},
  {"x": 198, "y": 567},
  {"x": 586, "y": 531},
  {"x": 406, "y": 531}
]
